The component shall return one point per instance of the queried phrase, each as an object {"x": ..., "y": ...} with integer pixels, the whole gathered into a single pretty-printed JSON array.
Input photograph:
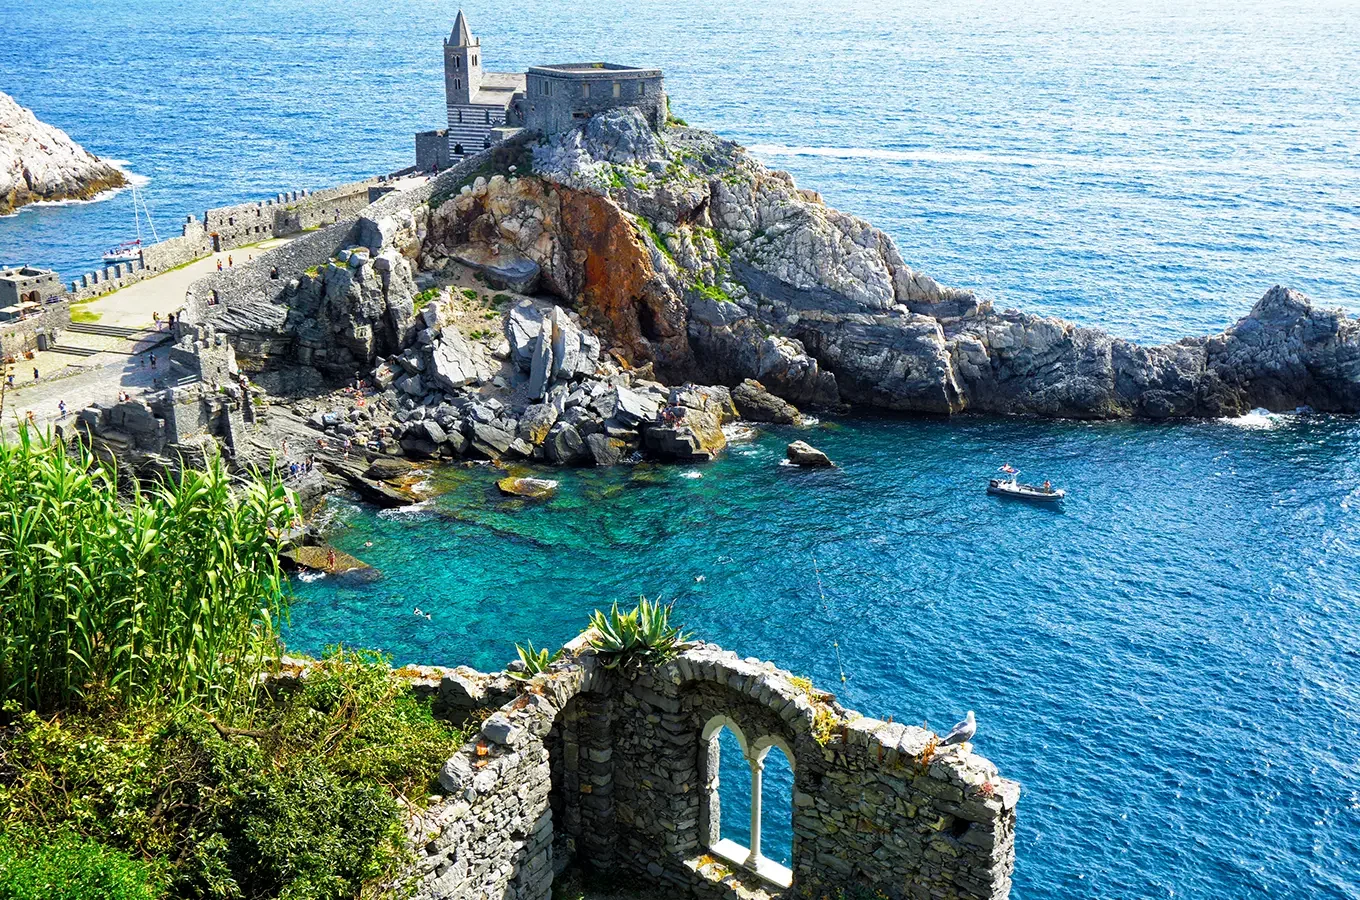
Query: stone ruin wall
[
  {"x": 21, "y": 335},
  {"x": 619, "y": 774}
]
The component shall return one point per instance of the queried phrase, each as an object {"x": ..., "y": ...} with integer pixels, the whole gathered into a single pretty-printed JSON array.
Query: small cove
[{"x": 1174, "y": 648}]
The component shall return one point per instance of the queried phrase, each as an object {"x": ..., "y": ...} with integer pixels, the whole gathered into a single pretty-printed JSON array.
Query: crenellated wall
[{"x": 619, "y": 774}]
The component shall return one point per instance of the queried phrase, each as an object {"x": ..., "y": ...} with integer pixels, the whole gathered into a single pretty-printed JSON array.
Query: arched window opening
[
  {"x": 732, "y": 814},
  {"x": 776, "y": 814}
]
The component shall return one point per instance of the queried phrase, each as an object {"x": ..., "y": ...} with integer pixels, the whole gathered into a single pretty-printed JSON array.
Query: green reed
[{"x": 161, "y": 594}]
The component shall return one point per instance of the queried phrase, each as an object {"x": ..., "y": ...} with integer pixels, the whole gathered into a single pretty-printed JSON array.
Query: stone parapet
[{"x": 618, "y": 773}]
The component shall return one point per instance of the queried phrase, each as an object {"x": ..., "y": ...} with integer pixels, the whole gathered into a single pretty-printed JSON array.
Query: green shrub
[
  {"x": 642, "y": 636},
  {"x": 162, "y": 595},
  {"x": 536, "y": 661},
  {"x": 302, "y": 799},
  {"x": 68, "y": 867},
  {"x": 469, "y": 293},
  {"x": 425, "y": 297}
]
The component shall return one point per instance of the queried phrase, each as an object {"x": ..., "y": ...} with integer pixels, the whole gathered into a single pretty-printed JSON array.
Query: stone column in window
[{"x": 757, "y": 767}]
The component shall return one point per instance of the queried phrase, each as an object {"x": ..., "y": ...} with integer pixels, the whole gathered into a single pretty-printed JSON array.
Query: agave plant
[
  {"x": 535, "y": 661},
  {"x": 642, "y": 636}
]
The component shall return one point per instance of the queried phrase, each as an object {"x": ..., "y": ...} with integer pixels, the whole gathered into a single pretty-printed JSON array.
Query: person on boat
[{"x": 1048, "y": 486}]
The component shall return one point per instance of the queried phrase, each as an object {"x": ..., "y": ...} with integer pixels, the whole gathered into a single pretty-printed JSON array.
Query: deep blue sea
[{"x": 1170, "y": 664}]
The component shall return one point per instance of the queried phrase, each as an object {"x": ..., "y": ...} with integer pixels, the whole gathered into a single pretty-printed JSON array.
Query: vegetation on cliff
[{"x": 140, "y": 755}]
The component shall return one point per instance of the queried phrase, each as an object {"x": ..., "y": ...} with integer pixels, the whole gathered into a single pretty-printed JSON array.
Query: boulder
[
  {"x": 755, "y": 404},
  {"x": 801, "y": 453},
  {"x": 533, "y": 488},
  {"x": 564, "y": 445},
  {"x": 536, "y": 422},
  {"x": 604, "y": 450},
  {"x": 456, "y": 362}
]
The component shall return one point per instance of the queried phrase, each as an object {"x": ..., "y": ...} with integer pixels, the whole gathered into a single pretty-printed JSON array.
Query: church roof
[{"x": 462, "y": 35}]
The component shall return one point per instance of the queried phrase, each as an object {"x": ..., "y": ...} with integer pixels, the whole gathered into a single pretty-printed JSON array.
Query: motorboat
[{"x": 1011, "y": 486}]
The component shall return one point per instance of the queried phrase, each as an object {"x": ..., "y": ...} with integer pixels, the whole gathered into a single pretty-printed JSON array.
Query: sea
[{"x": 1168, "y": 663}]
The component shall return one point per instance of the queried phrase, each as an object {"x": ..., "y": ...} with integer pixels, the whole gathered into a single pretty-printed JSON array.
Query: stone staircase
[
  {"x": 131, "y": 334},
  {"x": 70, "y": 350}
]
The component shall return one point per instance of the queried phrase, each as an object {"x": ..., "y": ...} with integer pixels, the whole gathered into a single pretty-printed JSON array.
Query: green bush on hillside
[
  {"x": 304, "y": 798},
  {"x": 68, "y": 867}
]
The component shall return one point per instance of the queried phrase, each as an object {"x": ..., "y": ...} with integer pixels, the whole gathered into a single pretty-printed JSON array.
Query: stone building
[
  {"x": 24, "y": 289},
  {"x": 560, "y": 96},
  {"x": 477, "y": 100},
  {"x": 484, "y": 107}
]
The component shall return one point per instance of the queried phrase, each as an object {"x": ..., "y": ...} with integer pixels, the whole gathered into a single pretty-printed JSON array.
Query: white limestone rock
[{"x": 39, "y": 162}]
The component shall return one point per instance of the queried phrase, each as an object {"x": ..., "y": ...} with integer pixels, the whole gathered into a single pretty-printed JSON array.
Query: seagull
[
  {"x": 698, "y": 578},
  {"x": 429, "y": 618},
  {"x": 961, "y": 733},
  {"x": 417, "y": 612}
]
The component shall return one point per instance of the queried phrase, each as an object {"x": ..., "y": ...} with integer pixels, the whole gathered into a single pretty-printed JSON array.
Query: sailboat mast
[
  {"x": 136, "y": 220},
  {"x": 155, "y": 239}
]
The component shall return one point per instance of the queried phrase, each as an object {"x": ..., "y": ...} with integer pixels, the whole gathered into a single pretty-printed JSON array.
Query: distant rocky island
[{"x": 40, "y": 162}]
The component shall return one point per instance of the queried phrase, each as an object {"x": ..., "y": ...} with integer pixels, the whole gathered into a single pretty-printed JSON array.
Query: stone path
[{"x": 118, "y": 359}]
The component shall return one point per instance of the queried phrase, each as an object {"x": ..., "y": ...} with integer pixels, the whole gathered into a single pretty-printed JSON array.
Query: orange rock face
[{"x": 620, "y": 290}]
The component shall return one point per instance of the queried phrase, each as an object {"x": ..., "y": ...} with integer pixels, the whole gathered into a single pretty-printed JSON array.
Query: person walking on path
[
  {"x": 35, "y": 373},
  {"x": 61, "y": 409},
  {"x": 230, "y": 264},
  {"x": 219, "y": 265},
  {"x": 156, "y": 317}
]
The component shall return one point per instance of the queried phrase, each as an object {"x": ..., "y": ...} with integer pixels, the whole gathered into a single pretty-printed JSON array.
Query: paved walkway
[{"x": 118, "y": 363}]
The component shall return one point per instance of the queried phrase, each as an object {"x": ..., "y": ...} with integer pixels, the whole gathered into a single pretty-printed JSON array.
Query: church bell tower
[{"x": 462, "y": 64}]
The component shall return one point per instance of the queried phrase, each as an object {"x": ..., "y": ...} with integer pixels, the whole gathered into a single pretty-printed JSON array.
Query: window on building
[
  {"x": 460, "y": 117},
  {"x": 457, "y": 84},
  {"x": 488, "y": 117},
  {"x": 585, "y": 90},
  {"x": 458, "y": 62},
  {"x": 642, "y": 88},
  {"x": 616, "y": 89}
]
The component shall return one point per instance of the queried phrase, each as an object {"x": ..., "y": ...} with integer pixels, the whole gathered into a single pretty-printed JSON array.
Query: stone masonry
[{"x": 618, "y": 774}]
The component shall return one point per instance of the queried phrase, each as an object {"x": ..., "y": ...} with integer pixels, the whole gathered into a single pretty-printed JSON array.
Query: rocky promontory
[
  {"x": 614, "y": 292},
  {"x": 40, "y": 162}
]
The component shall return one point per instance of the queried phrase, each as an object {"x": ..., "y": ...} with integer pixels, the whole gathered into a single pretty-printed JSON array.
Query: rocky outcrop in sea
[
  {"x": 40, "y": 162},
  {"x": 612, "y": 292}
]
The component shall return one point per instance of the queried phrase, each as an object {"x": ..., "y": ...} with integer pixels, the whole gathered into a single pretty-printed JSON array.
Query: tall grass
[{"x": 167, "y": 594}]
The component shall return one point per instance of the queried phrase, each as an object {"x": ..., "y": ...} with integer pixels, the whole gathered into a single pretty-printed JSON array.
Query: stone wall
[
  {"x": 619, "y": 774},
  {"x": 558, "y": 99},
  {"x": 20, "y": 335}
]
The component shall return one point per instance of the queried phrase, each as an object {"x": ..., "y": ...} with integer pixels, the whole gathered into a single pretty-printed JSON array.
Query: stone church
[{"x": 485, "y": 107}]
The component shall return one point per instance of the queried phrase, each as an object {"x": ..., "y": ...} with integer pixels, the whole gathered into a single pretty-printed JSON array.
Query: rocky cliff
[
  {"x": 612, "y": 291},
  {"x": 40, "y": 162}
]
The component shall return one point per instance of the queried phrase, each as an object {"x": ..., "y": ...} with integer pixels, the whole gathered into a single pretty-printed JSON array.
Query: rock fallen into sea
[
  {"x": 801, "y": 453},
  {"x": 755, "y": 404},
  {"x": 533, "y": 488}
]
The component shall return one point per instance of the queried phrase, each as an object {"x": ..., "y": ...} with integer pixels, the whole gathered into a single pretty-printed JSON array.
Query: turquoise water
[{"x": 1169, "y": 664}]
